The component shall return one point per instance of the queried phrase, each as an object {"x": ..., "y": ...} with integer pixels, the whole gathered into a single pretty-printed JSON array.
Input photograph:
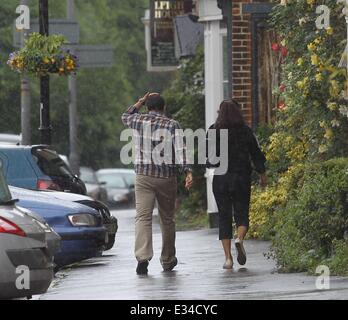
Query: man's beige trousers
[{"x": 147, "y": 191}]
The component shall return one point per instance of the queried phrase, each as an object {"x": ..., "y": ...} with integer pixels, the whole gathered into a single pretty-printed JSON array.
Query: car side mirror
[
  {"x": 131, "y": 186},
  {"x": 102, "y": 183}
]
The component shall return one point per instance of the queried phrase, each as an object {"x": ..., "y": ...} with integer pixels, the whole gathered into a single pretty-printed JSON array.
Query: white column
[
  {"x": 213, "y": 88},
  {"x": 210, "y": 15}
]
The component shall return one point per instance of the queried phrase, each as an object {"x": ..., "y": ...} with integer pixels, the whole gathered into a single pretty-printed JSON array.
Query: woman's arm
[
  {"x": 257, "y": 156},
  {"x": 212, "y": 153}
]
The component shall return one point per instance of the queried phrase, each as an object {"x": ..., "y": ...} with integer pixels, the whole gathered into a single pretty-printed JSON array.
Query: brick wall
[{"x": 242, "y": 58}]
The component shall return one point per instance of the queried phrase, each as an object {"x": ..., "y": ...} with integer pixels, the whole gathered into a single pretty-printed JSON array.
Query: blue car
[
  {"x": 109, "y": 221},
  {"x": 81, "y": 227},
  {"x": 38, "y": 168}
]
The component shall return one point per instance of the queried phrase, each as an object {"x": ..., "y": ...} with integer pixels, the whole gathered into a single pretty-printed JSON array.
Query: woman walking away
[{"x": 232, "y": 189}]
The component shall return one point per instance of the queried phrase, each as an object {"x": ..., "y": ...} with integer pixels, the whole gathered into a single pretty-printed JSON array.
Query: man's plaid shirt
[{"x": 151, "y": 130}]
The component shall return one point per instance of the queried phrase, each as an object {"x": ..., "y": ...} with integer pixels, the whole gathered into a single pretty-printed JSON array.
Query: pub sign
[{"x": 162, "y": 14}]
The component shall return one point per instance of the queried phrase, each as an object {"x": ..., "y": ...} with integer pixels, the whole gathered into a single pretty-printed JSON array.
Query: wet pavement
[{"x": 199, "y": 274}]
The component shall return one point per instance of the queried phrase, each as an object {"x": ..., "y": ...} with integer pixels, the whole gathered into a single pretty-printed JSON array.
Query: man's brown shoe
[
  {"x": 170, "y": 266},
  {"x": 142, "y": 268}
]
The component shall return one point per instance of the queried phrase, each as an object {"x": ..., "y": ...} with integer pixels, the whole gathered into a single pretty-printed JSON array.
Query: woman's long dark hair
[{"x": 230, "y": 115}]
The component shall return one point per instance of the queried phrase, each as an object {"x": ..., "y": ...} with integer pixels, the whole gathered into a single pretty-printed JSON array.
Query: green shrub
[
  {"x": 311, "y": 229},
  {"x": 312, "y": 124},
  {"x": 265, "y": 204},
  {"x": 339, "y": 261}
]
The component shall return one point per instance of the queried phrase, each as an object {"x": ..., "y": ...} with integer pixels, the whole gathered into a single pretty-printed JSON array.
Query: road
[{"x": 199, "y": 274}]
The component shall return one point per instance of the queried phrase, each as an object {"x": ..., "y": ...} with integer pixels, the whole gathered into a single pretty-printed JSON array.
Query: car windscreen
[
  {"x": 88, "y": 176},
  {"x": 51, "y": 164},
  {"x": 115, "y": 181},
  {"x": 130, "y": 178},
  {"x": 5, "y": 194}
]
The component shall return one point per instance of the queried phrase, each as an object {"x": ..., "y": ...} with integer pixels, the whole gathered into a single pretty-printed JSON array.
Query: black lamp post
[{"x": 45, "y": 124}]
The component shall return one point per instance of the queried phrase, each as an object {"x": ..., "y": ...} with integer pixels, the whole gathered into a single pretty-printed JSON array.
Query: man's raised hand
[
  {"x": 142, "y": 101},
  {"x": 189, "y": 181}
]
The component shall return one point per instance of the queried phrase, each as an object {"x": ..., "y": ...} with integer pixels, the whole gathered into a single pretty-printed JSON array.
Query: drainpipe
[
  {"x": 226, "y": 7},
  {"x": 227, "y": 12}
]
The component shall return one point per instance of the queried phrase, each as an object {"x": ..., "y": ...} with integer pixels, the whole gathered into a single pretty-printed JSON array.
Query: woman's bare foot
[{"x": 228, "y": 264}]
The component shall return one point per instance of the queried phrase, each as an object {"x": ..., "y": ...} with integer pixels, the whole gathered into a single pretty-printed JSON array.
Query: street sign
[
  {"x": 94, "y": 56},
  {"x": 69, "y": 29},
  {"x": 90, "y": 56}
]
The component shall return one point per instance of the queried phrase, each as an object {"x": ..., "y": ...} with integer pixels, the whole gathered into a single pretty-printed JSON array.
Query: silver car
[
  {"x": 27, "y": 246},
  {"x": 119, "y": 184},
  {"x": 95, "y": 189}
]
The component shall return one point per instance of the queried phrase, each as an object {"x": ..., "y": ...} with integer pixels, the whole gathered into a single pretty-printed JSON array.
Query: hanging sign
[{"x": 162, "y": 48}]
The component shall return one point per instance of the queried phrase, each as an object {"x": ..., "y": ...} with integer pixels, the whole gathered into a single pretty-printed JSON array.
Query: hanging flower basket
[{"x": 44, "y": 55}]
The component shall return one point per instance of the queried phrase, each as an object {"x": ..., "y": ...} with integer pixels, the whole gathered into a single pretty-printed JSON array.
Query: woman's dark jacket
[{"x": 243, "y": 151}]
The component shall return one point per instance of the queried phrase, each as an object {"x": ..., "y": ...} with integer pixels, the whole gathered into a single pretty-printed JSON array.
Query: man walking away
[{"x": 156, "y": 177}]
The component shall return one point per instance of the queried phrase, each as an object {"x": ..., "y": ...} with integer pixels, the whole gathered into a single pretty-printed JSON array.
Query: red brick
[
  {"x": 237, "y": 55},
  {"x": 246, "y": 81},
  {"x": 237, "y": 81},
  {"x": 244, "y": 24},
  {"x": 241, "y": 74},
  {"x": 236, "y": 11},
  {"x": 240, "y": 36},
  {"x": 240, "y": 49},
  {"x": 242, "y": 61}
]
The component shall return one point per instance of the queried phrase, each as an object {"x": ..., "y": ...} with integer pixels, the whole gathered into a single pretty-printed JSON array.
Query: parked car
[
  {"x": 119, "y": 185},
  {"x": 11, "y": 139},
  {"x": 38, "y": 168},
  {"x": 65, "y": 159},
  {"x": 81, "y": 227},
  {"x": 24, "y": 241},
  {"x": 95, "y": 189},
  {"x": 109, "y": 221}
]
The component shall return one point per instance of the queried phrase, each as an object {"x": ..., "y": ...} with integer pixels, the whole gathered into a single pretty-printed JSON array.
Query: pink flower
[
  {"x": 284, "y": 52},
  {"x": 282, "y": 88}
]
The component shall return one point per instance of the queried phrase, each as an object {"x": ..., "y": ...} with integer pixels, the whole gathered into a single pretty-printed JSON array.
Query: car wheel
[{"x": 111, "y": 242}]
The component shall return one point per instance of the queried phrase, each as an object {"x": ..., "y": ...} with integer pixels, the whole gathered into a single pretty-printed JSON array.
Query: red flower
[
  {"x": 284, "y": 52},
  {"x": 282, "y": 88},
  {"x": 281, "y": 105},
  {"x": 275, "y": 47}
]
